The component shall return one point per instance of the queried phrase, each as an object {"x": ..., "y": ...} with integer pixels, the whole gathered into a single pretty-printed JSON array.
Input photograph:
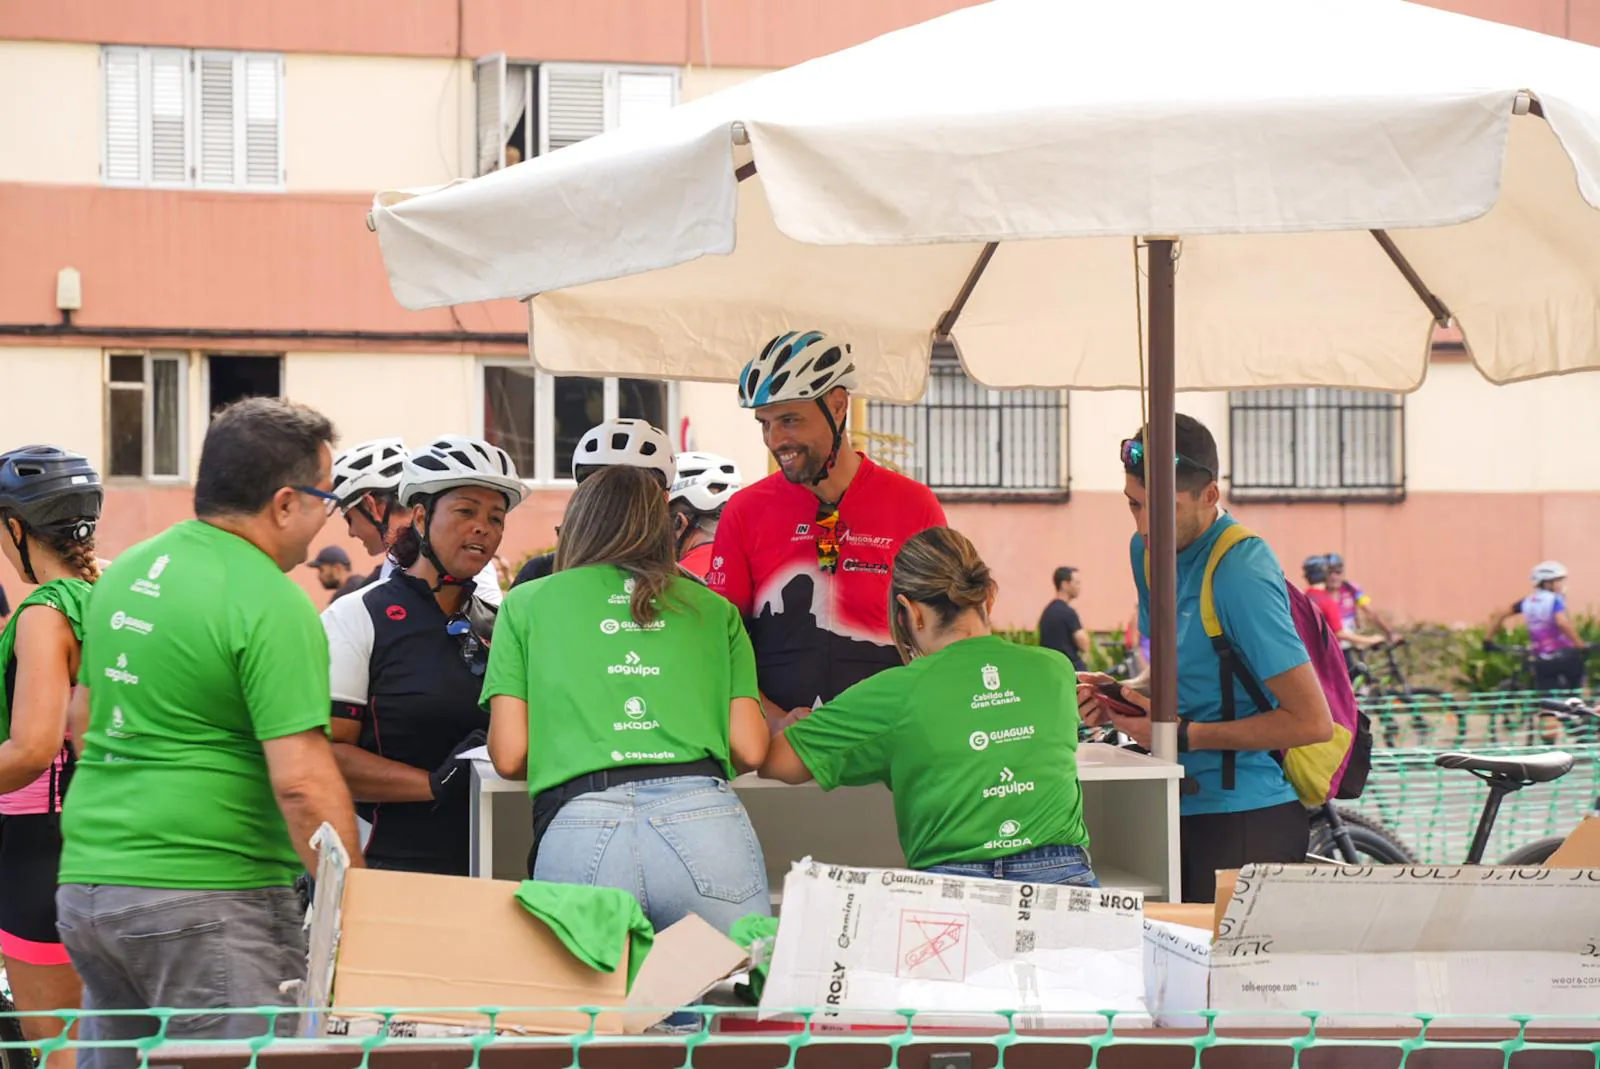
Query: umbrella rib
[
  {"x": 1437, "y": 308},
  {"x": 947, "y": 321}
]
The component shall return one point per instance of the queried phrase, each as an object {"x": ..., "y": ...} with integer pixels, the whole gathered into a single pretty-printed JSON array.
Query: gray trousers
[{"x": 140, "y": 948}]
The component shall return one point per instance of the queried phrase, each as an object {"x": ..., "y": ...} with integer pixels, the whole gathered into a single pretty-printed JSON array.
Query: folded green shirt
[
  {"x": 756, "y": 933},
  {"x": 592, "y": 922}
]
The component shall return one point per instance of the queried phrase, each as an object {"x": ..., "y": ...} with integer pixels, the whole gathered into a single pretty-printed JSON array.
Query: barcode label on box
[{"x": 1025, "y": 941}]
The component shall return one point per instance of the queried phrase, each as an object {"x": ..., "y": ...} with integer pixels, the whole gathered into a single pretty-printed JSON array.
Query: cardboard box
[
  {"x": 855, "y": 943},
  {"x": 1359, "y": 943},
  {"x": 1581, "y": 850},
  {"x": 433, "y": 943},
  {"x": 1177, "y": 972}
]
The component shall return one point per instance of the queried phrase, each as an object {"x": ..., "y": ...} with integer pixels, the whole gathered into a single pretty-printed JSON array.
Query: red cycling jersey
[
  {"x": 1328, "y": 605},
  {"x": 816, "y": 633},
  {"x": 697, "y": 561}
]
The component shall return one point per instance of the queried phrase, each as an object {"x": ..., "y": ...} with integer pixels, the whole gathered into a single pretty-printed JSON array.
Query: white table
[{"x": 1130, "y": 804}]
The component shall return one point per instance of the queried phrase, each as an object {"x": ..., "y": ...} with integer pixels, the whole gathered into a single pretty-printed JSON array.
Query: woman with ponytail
[
  {"x": 976, "y": 735},
  {"x": 49, "y": 502}
]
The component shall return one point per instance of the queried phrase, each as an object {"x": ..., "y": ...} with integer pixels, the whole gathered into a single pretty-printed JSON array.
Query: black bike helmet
[
  {"x": 51, "y": 492},
  {"x": 1315, "y": 568}
]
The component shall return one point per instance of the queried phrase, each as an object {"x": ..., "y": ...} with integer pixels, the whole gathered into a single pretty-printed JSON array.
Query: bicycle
[
  {"x": 1386, "y": 696},
  {"x": 1571, "y": 713},
  {"x": 1370, "y": 842},
  {"x": 1524, "y": 679},
  {"x": 15, "y": 1051}
]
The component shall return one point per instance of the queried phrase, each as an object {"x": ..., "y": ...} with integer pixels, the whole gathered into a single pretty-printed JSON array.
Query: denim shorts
[
  {"x": 681, "y": 845},
  {"x": 1042, "y": 864}
]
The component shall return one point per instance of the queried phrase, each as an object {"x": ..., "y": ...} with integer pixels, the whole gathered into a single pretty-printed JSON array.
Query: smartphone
[{"x": 1111, "y": 694}]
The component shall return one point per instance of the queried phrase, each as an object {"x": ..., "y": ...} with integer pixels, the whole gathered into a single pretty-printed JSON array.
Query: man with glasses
[
  {"x": 366, "y": 483},
  {"x": 205, "y": 767},
  {"x": 806, "y": 553},
  {"x": 1244, "y": 809}
]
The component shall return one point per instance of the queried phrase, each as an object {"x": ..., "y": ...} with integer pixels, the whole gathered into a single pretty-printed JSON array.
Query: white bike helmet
[
  {"x": 630, "y": 443},
  {"x": 369, "y": 468},
  {"x": 705, "y": 481},
  {"x": 453, "y": 461},
  {"x": 796, "y": 366},
  {"x": 1549, "y": 571}
]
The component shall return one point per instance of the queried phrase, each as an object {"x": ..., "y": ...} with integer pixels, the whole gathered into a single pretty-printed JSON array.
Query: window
[
  {"x": 566, "y": 102},
  {"x": 538, "y": 418},
  {"x": 1317, "y": 444},
  {"x": 233, "y": 378},
  {"x": 175, "y": 118},
  {"x": 964, "y": 438},
  {"x": 145, "y": 412}
]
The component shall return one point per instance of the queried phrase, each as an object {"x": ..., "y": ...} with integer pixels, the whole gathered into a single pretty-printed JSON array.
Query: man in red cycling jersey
[{"x": 806, "y": 553}]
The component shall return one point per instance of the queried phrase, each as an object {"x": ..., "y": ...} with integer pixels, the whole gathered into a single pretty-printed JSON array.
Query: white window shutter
[
  {"x": 169, "y": 118},
  {"x": 572, "y": 106},
  {"x": 642, "y": 94},
  {"x": 263, "y": 126},
  {"x": 124, "y": 148},
  {"x": 490, "y": 83},
  {"x": 215, "y": 99}
]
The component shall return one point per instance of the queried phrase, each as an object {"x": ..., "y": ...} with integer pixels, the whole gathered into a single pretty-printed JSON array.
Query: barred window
[
  {"x": 1318, "y": 444},
  {"x": 964, "y": 438}
]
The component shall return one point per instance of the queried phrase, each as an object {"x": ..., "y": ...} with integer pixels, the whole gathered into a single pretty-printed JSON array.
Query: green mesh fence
[
  {"x": 1435, "y": 811},
  {"x": 725, "y": 1038}
]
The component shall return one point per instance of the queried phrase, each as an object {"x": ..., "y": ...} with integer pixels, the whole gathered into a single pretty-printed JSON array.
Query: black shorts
[
  {"x": 30, "y": 859},
  {"x": 1559, "y": 671},
  {"x": 1215, "y": 841}
]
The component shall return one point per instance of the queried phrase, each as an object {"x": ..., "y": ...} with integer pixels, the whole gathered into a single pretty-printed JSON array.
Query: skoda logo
[
  {"x": 1009, "y": 828},
  {"x": 634, "y": 707}
]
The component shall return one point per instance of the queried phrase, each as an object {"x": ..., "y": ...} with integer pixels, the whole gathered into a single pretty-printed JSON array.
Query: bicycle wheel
[
  {"x": 1534, "y": 854},
  {"x": 20, "y": 1056},
  {"x": 1375, "y": 844}
]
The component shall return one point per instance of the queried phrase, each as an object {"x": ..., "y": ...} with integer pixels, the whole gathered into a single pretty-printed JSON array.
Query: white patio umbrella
[{"x": 1329, "y": 180}]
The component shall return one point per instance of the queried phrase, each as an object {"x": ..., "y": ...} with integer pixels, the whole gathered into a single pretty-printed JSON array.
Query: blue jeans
[
  {"x": 1042, "y": 864},
  {"x": 679, "y": 846}
]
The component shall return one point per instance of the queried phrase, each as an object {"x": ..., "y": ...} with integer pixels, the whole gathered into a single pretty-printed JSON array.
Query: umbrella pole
[{"x": 1162, "y": 499}]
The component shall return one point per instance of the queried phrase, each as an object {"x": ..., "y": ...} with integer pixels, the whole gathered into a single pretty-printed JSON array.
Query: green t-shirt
[
  {"x": 604, "y": 692},
  {"x": 197, "y": 649},
  {"x": 978, "y": 742},
  {"x": 66, "y": 596}
]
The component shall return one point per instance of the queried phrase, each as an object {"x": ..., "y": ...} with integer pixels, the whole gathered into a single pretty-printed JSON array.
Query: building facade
[{"x": 183, "y": 187}]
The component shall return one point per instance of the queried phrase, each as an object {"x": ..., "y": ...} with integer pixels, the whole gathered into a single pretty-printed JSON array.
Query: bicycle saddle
[{"x": 1531, "y": 768}]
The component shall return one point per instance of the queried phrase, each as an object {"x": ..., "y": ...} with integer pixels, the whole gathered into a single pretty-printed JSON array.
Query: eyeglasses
[
  {"x": 1133, "y": 459},
  {"x": 330, "y": 500},
  {"x": 460, "y": 629}
]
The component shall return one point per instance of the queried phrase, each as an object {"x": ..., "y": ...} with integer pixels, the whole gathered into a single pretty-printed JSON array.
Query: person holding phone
[{"x": 976, "y": 735}]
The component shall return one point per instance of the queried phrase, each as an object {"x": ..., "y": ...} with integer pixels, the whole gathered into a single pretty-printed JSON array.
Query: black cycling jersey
[{"x": 411, "y": 686}]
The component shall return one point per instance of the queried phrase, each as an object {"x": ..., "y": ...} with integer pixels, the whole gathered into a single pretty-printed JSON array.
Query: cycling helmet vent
[
  {"x": 705, "y": 481},
  {"x": 453, "y": 462},
  {"x": 631, "y": 443},
  {"x": 372, "y": 467},
  {"x": 796, "y": 366}
]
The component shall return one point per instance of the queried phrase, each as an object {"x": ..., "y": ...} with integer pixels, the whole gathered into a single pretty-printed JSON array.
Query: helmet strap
[
  {"x": 21, "y": 542},
  {"x": 837, "y": 427},
  {"x": 445, "y": 578},
  {"x": 380, "y": 525}
]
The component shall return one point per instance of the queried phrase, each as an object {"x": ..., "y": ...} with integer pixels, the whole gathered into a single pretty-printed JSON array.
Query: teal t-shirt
[
  {"x": 1253, "y": 607},
  {"x": 604, "y": 691},
  {"x": 978, "y": 742},
  {"x": 197, "y": 649}
]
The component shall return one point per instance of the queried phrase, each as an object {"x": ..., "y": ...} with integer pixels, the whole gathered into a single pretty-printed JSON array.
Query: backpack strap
[{"x": 1230, "y": 666}]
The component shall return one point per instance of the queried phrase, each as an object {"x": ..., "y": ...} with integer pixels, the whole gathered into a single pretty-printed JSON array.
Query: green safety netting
[
  {"x": 1434, "y": 810},
  {"x": 725, "y": 1038}
]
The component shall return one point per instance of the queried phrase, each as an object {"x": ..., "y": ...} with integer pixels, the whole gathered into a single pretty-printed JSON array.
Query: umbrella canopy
[{"x": 1342, "y": 176}]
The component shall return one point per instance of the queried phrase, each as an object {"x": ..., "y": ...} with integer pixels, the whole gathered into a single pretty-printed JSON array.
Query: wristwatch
[{"x": 1183, "y": 736}]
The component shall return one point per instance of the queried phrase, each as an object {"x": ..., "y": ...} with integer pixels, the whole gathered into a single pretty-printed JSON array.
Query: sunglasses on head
[{"x": 1133, "y": 459}]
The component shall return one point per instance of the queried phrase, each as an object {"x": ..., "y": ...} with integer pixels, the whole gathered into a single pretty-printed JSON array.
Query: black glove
[
  {"x": 450, "y": 778},
  {"x": 1489, "y": 646}
]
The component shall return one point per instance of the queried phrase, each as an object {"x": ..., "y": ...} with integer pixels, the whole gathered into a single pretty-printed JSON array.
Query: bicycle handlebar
[{"x": 1567, "y": 707}]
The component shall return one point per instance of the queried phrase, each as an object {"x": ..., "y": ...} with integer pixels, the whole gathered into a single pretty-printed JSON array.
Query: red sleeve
[
  {"x": 934, "y": 513},
  {"x": 730, "y": 563},
  {"x": 1330, "y": 609}
]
